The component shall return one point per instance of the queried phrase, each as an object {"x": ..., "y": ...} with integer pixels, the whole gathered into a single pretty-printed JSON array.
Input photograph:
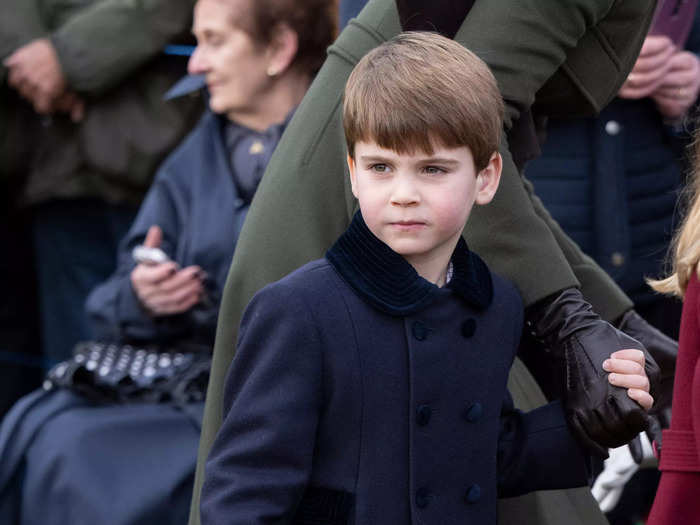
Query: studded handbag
[{"x": 122, "y": 373}]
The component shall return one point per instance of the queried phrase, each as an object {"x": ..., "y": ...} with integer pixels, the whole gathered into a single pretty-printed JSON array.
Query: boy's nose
[{"x": 405, "y": 194}]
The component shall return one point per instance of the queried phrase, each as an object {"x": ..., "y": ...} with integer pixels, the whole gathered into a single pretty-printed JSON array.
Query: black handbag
[{"x": 122, "y": 373}]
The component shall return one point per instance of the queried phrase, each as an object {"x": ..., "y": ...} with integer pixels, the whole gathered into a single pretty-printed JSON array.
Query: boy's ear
[
  {"x": 488, "y": 178},
  {"x": 353, "y": 175}
]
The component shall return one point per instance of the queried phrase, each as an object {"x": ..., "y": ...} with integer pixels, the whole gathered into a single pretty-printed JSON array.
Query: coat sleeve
[
  {"x": 261, "y": 461},
  {"x": 533, "y": 445},
  {"x": 112, "y": 307},
  {"x": 20, "y": 23},
  {"x": 531, "y": 249},
  {"x": 103, "y": 43},
  {"x": 536, "y": 451}
]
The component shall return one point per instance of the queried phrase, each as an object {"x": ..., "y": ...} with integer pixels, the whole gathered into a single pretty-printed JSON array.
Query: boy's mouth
[{"x": 407, "y": 225}]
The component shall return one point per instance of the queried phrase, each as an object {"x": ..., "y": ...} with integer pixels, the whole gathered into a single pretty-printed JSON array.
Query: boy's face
[{"x": 418, "y": 204}]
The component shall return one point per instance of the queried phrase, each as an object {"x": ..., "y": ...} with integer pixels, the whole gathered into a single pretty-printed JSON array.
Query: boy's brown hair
[{"x": 420, "y": 90}]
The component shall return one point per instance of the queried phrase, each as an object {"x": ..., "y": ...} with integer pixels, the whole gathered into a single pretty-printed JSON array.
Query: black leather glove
[
  {"x": 601, "y": 415},
  {"x": 656, "y": 423},
  {"x": 662, "y": 348}
]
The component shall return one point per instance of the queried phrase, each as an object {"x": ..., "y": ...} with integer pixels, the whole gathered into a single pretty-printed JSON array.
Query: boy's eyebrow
[
  {"x": 373, "y": 158},
  {"x": 439, "y": 160},
  {"x": 430, "y": 160}
]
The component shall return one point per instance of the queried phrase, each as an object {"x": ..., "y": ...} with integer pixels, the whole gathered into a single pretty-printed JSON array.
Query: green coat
[
  {"x": 561, "y": 56},
  {"x": 111, "y": 53}
]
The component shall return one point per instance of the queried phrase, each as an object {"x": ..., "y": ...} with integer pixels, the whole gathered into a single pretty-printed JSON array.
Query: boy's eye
[
  {"x": 379, "y": 168},
  {"x": 434, "y": 170}
]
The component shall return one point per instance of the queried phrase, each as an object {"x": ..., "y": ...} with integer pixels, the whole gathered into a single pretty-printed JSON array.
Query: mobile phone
[
  {"x": 674, "y": 18},
  {"x": 147, "y": 255}
]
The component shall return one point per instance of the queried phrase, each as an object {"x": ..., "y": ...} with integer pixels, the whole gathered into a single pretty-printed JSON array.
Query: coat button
[
  {"x": 617, "y": 259},
  {"x": 422, "y": 497},
  {"x": 612, "y": 127},
  {"x": 423, "y": 414},
  {"x": 473, "y": 494},
  {"x": 468, "y": 328},
  {"x": 474, "y": 412},
  {"x": 420, "y": 331}
]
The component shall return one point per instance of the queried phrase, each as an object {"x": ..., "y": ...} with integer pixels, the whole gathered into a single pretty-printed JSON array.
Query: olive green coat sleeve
[
  {"x": 20, "y": 23},
  {"x": 129, "y": 33},
  {"x": 303, "y": 202},
  {"x": 565, "y": 57}
]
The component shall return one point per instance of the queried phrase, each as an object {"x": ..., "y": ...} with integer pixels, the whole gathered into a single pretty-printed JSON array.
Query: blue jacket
[
  {"x": 362, "y": 393},
  {"x": 195, "y": 201},
  {"x": 612, "y": 183}
]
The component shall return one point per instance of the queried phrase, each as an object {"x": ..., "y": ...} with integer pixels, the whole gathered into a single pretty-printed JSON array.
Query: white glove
[{"x": 617, "y": 471}]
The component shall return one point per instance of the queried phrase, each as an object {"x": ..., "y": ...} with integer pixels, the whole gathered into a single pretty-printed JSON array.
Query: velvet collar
[{"x": 387, "y": 281}]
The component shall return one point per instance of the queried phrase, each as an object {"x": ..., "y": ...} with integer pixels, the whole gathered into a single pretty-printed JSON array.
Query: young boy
[{"x": 369, "y": 387}]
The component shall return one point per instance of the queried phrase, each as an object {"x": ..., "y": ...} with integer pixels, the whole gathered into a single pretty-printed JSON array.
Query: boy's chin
[{"x": 408, "y": 249}]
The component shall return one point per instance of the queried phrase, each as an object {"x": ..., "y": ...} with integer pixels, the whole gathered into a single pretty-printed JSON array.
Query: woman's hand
[
  {"x": 650, "y": 69},
  {"x": 163, "y": 288},
  {"x": 680, "y": 86},
  {"x": 626, "y": 370}
]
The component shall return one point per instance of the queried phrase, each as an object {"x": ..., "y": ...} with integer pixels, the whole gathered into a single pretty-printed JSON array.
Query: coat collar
[{"x": 387, "y": 281}]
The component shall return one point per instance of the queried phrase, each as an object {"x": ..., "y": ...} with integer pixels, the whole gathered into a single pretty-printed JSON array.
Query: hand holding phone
[
  {"x": 159, "y": 283},
  {"x": 149, "y": 255}
]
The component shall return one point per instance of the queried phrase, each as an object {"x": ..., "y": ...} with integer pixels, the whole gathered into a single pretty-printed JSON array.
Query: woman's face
[{"x": 234, "y": 65}]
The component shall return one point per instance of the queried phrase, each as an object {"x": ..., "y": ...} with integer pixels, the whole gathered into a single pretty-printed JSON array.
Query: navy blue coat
[
  {"x": 612, "y": 184},
  {"x": 195, "y": 201},
  {"x": 362, "y": 393}
]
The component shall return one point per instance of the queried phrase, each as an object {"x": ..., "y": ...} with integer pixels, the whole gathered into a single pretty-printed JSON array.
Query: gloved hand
[
  {"x": 661, "y": 347},
  {"x": 656, "y": 423},
  {"x": 602, "y": 416},
  {"x": 617, "y": 471}
]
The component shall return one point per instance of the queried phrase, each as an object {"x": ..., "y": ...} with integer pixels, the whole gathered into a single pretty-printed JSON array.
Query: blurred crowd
[{"x": 148, "y": 125}]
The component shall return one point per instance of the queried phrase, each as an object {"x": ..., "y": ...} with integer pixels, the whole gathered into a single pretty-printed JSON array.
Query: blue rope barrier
[
  {"x": 179, "y": 50},
  {"x": 31, "y": 361}
]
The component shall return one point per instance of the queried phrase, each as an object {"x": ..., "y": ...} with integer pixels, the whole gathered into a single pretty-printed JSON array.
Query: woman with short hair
[{"x": 132, "y": 463}]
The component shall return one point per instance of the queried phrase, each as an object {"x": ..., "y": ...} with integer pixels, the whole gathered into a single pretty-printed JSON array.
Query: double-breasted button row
[
  {"x": 473, "y": 494},
  {"x": 423, "y": 413},
  {"x": 472, "y": 413},
  {"x": 420, "y": 331},
  {"x": 423, "y": 496},
  {"x": 468, "y": 328}
]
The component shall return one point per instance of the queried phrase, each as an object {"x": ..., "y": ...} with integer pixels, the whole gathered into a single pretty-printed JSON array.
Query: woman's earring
[{"x": 271, "y": 71}]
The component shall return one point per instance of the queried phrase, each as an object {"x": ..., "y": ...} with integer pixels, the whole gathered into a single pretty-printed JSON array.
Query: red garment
[{"x": 678, "y": 496}]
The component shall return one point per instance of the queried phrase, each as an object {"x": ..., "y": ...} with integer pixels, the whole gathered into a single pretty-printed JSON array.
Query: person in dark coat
[
  {"x": 370, "y": 386},
  {"x": 134, "y": 463}
]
